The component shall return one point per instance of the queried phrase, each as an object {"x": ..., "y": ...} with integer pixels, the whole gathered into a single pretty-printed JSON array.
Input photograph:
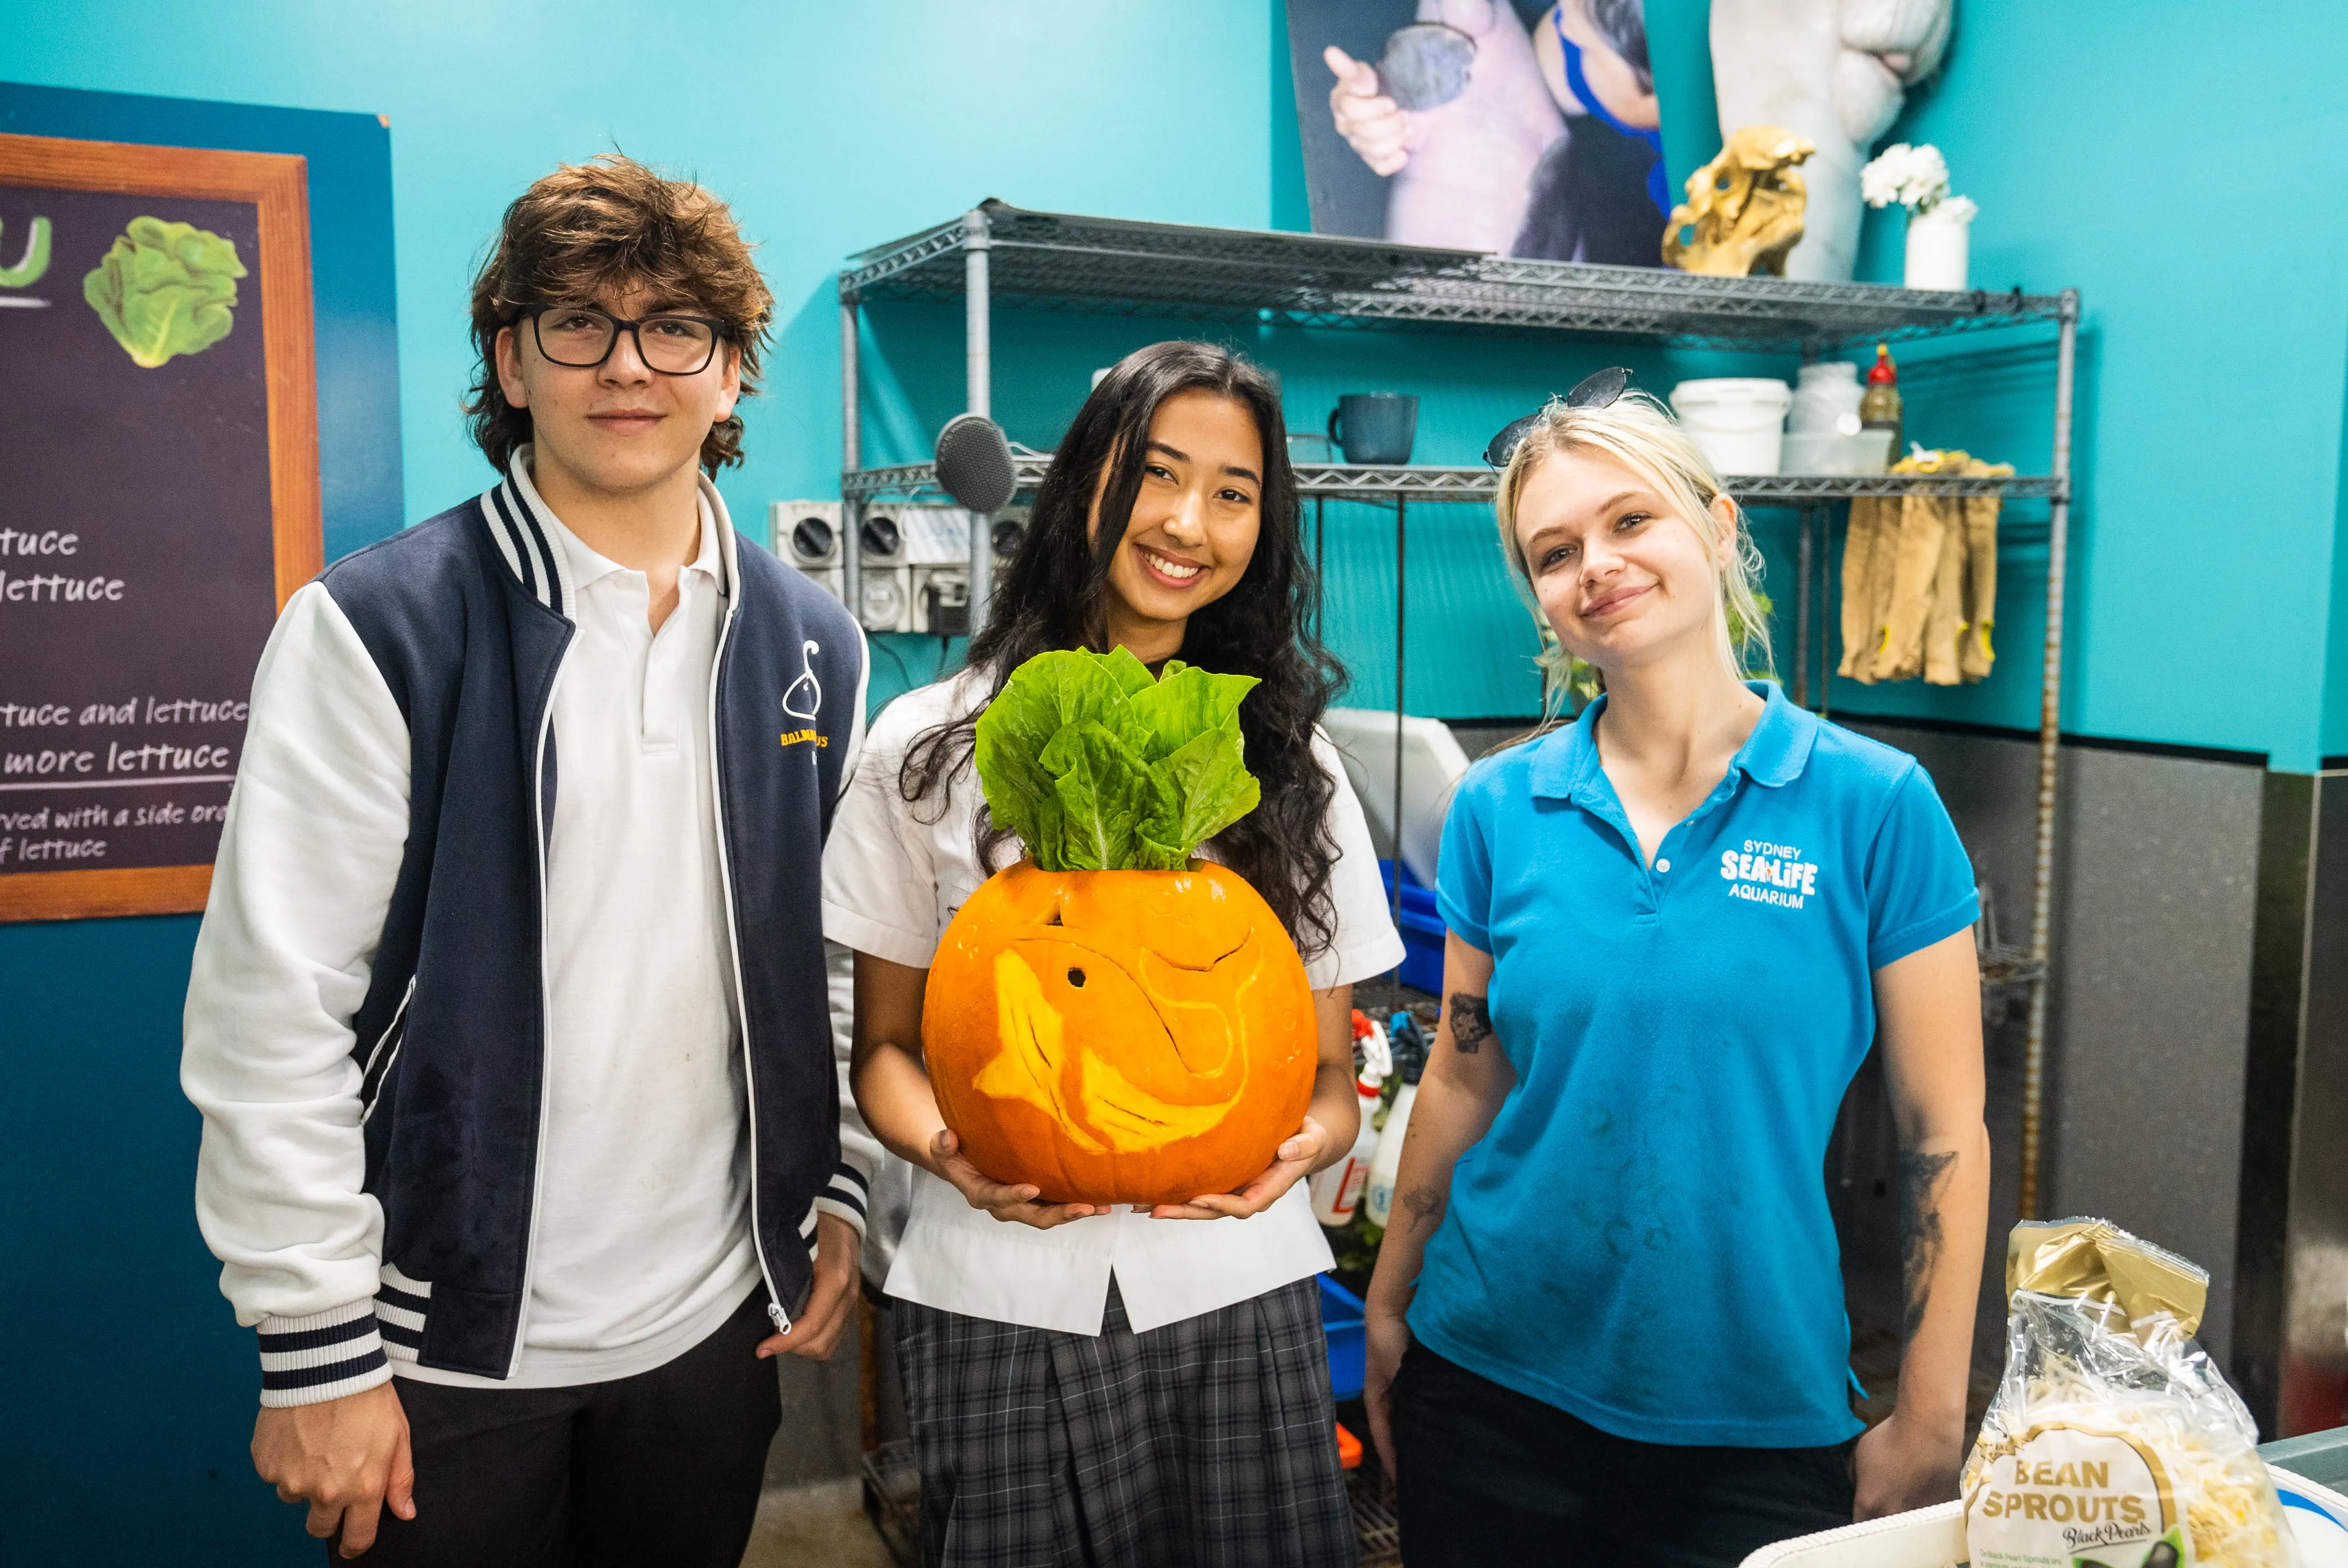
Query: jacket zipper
[
  {"x": 545, "y": 1018},
  {"x": 367, "y": 1071},
  {"x": 774, "y": 1308}
]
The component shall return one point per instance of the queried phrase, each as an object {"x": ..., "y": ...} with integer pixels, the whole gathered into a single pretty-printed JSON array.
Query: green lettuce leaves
[
  {"x": 1098, "y": 767},
  {"x": 165, "y": 288}
]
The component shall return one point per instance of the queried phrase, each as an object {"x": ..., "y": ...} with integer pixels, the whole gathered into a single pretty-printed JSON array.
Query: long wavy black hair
[{"x": 1052, "y": 596}]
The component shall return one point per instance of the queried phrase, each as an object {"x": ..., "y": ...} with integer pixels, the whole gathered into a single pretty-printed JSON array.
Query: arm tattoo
[
  {"x": 1426, "y": 1206},
  {"x": 1920, "y": 1229},
  {"x": 1471, "y": 1023}
]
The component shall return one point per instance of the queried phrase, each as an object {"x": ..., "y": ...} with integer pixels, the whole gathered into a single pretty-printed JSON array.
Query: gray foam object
[
  {"x": 1426, "y": 65},
  {"x": 975, "y": 463}
]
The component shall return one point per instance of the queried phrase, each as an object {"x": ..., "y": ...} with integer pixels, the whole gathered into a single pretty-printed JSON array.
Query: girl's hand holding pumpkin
[
  {"x": 1010, "y": 1204},
  {"x": 1291, "y": 1163}
]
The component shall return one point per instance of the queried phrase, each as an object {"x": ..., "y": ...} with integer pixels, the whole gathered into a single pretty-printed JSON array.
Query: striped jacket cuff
[
  {"x": 845, "y": 1196},
  {"x": 326, "y": 1356}
]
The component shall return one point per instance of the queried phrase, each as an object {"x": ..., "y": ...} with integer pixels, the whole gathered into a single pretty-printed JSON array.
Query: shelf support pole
[
  {"x": 852, "y": 459},
  {"x": 1401, "y": 508},
  {"x": 1320, "y": 581},
  {"x": 1802, "y": 612},
  {"x": 978, "y": 374},
  {"x": 2050, "y": 735}
]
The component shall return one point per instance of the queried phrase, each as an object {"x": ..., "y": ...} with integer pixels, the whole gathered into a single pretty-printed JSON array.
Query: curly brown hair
[{"x": 612, "y": 223}]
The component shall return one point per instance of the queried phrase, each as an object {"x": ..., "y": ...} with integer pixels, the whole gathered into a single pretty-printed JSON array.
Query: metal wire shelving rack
[{"x": 1120, "y": 267}]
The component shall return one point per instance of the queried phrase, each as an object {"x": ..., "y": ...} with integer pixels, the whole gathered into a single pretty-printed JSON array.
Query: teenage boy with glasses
[{"x": 507, "y": 1019}]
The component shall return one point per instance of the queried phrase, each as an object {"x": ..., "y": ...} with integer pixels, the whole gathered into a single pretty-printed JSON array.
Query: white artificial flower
[
  {"x": 1879, "y": 183},
  {"x": 1956, "y": 209},
  {"x": 1914, "y": 176}
]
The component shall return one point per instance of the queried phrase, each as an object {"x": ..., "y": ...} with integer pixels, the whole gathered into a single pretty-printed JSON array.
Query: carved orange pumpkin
[{"x": 1126, "y": 1036}]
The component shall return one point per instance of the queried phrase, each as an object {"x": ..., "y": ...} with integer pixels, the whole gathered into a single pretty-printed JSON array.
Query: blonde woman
[{"x": 1608, "y": 1318}]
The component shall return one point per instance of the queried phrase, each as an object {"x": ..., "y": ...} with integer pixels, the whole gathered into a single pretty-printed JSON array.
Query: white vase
[{"x": 1937, "y": 246}]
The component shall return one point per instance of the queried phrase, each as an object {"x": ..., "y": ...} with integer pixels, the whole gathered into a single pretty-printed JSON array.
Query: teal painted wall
[
  {"x": 2168, "y": 168},
  {"x": 828, "y": 128},
  {"x": 2217, "y": 320},
  {"x": 2335, "y": 662},
  {"x": 836, "y": 128},
  {"x": 2169, "y": 165}
]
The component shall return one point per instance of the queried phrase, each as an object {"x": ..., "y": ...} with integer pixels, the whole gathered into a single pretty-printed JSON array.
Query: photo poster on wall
[
  {"x": 158, "y": 502},
  {"x": 1526, "y": 129}
]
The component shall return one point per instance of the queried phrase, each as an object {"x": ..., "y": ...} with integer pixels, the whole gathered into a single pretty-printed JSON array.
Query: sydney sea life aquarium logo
[{"x": 1764, "y": 873}]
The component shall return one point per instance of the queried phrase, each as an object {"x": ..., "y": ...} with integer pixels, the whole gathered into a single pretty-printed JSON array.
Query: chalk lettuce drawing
[
  {"x": 33, "y": 263},
  {"x": 166, "y": 288}
]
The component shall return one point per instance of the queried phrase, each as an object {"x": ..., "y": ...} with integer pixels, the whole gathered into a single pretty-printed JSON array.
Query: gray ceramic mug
[{"x": 1374, "y": 426}]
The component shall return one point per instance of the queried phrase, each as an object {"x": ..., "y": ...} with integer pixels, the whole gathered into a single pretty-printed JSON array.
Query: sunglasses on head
[{"x": 1598, "y": 390}]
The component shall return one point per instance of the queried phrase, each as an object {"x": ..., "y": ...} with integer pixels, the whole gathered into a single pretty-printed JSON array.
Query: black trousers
[
  {"x": 1489, "y": 1475},
  {"x": 661, "y": 1468}
]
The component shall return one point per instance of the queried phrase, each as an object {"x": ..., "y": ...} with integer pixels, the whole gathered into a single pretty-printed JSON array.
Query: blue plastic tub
[
  {"x": 1341, "y": 1322},
  {"x": 1422, "y": 931}
]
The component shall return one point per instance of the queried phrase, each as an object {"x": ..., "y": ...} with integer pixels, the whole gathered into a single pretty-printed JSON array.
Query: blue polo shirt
[{"x": 1642, "y": 1238}]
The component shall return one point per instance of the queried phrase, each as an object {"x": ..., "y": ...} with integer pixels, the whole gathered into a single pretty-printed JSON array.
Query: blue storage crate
[
  {"x": 1341, "y": 1322},
  {"x": 1422, "y": 931}
]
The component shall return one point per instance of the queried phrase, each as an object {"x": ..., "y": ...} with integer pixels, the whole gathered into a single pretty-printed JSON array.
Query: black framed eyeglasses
[
  {"x": 582, "y": 336},
  {"x": 1598, "y": 390}
]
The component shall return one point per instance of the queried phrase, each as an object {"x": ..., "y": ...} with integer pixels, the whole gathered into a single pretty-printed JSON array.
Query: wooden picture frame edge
[
  {"x": 99, "y": 895},
  {"x": 277, "y": 184}
]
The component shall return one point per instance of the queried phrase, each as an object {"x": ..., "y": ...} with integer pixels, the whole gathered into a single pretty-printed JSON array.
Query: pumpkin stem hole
[{"x": 1076, "y": 977}]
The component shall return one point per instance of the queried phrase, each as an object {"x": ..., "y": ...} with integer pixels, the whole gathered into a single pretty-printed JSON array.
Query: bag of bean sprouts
[{"x": 2113, "y": 1442}]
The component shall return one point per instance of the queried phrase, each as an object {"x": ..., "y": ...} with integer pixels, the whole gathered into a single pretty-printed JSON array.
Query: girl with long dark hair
[{"x": 1088, "y": 1385}]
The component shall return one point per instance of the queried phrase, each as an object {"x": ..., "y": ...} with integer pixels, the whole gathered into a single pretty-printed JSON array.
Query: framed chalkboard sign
[{"x": 159, "y": 503}]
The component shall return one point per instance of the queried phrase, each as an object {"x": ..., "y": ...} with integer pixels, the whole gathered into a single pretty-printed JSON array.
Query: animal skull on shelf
[{"x": 1745, "y": 207}]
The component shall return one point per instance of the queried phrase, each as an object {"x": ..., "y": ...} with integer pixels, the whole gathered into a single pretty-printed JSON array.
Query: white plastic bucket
[
  {"x": 1823, "y": 393},
  {"x": 1738, "y": 421}
]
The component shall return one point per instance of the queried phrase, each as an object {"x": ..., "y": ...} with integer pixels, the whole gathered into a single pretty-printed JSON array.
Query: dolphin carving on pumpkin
[{"x": 1119, "y": 1037}]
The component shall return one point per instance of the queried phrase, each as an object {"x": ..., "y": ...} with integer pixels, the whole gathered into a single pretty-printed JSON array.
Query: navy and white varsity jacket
[{"x": 365, "y": 1025}]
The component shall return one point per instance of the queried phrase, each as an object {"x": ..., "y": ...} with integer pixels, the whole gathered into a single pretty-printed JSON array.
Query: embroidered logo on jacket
[
  {"x": 802, "y": 699},
  {"x": 1767, "y": 873}
]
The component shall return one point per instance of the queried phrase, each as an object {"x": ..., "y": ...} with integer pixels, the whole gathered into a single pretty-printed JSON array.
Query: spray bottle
[
  {"x": 1337, "y": 1190},
  {"x": 1410, "y": 1061}
]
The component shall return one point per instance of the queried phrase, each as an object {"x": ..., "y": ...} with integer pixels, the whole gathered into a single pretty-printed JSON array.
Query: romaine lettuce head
[
  {"x": 1098, "y": 767},
  {"x": 166, "y": 288}
]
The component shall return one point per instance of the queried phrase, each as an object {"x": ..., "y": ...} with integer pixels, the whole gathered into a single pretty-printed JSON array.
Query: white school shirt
[
  {"x": 642, "y": 1245},
  {"x": 892, "y": 882}
]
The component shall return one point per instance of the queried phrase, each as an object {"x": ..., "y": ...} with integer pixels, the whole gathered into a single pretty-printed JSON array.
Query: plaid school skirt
[{"x": 1205, "y": 1443}]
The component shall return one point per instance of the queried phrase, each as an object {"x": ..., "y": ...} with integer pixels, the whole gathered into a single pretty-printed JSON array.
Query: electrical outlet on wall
[
  {"x": 881, "y": 538},
  {"x": 827, "y": 578},
  {"x": 1009, "y": 528},
  {"x": 885, "y": 598},
  {"x": 804, "y": 533},
  {"x": 942, "y": 601},
  {"x": 914, "y": 559}
]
